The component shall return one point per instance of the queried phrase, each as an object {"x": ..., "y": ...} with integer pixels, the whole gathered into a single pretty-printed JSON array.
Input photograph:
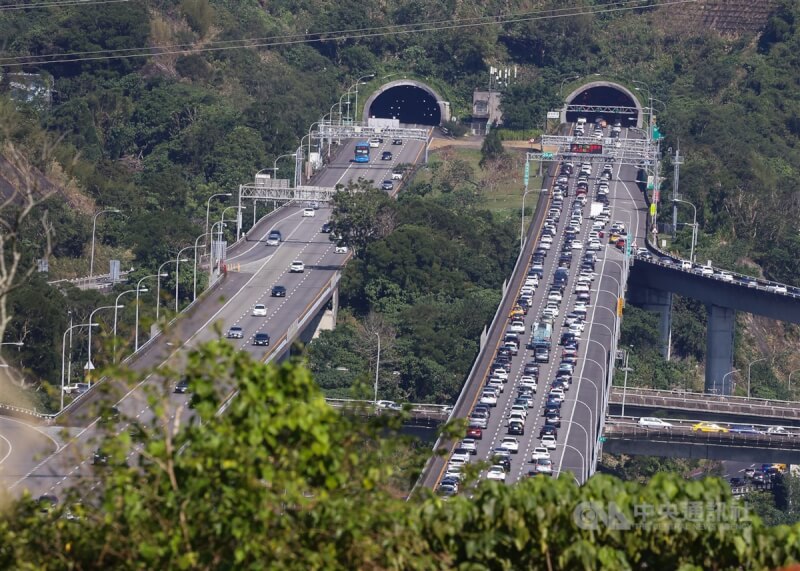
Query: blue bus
[{"x": 362, "y": 152}]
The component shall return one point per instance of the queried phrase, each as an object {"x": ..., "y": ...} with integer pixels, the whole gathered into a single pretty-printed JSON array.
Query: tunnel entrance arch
[
  {"x": 409, "y": 101},
  {"x": 612, "y": 101}
]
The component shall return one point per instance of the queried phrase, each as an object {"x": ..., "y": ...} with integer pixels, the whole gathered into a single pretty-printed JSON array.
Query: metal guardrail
[
  {"x": 437, "y": 412},
  {"x": 706, "y": 402},
  {"x": 682, "y": 434}
]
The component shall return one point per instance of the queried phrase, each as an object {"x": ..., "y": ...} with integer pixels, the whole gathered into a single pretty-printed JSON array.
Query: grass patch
[{"x": 500, "y": 186}]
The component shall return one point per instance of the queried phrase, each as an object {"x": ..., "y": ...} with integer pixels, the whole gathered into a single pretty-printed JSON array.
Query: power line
[
  {"x": 362, "y": 33},
  {"x": 57, "y": 3}
]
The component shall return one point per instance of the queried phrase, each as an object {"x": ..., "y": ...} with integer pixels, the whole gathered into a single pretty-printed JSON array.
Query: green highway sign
[
  {"x": 527, "y": 172},
  {"x": 602, "y": 439},
  {"x": 547, "y": 155}
]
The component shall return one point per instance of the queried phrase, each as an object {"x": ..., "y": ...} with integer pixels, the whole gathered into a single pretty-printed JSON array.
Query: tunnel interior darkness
[
  {"x": 409, "y": 104},
  {"x": 603, "y": 95}
]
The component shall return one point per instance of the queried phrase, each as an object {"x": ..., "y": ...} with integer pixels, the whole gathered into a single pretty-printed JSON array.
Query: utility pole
[
  {"x": 677, "y": 162},
  {"x": 625, "y": 368}
]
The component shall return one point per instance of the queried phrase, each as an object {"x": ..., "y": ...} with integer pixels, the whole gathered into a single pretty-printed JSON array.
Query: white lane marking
[
  {"x": 278, "y": 219},
  {"x": 33, "y": 427},
  {"x": 148, "y": 377},
  {"x": 10, "y": 449}
]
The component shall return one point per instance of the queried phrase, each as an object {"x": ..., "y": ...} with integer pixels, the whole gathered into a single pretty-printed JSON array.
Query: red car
[{"x": 474, "y": 432}]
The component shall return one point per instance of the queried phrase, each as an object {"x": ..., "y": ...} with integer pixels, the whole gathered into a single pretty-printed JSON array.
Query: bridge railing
[
  {"x": 685, "y": 434},
  {"x": 687, "y": 396}
]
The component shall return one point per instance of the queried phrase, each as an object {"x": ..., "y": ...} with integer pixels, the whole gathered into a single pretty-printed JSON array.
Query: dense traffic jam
[{"x": 530, "y": 378}]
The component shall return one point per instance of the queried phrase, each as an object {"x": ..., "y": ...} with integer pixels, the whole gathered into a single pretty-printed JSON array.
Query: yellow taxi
[
  {"x": 516, "y": 312},
  {"x": 708, "y": 427},
  {"x": 613, "y": 237}
]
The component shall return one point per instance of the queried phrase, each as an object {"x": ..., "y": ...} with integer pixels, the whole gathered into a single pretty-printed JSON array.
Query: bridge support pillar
[
  {"x": 719, "y": 349},
  {"x": 327, "y": 319},
  {"x": 659, "y": 302}
]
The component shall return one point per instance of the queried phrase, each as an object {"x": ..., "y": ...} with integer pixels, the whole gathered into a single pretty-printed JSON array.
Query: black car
[
  {"x": 100, "y": 458},
  {"x": 182, "y": 386},
  {"x": 47, "y": 502},
  {"x": 261, "y": 339},
  {"x": 737, "y": 482},
  {"x": 503, "y": 461},
  {"x": 386, "y": 156},
  {"x": 548, "y": 430},
  {"x": 517, "y": 429},
  {"x": 531, "y": 369},
  {"x": 326, "y": 228},
  {"x": 397, "y": 141},
  {"x": 278, "y": 291}
]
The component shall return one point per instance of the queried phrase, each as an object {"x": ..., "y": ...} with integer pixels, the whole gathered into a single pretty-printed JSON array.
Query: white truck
[{"x": 596, "y": 209}]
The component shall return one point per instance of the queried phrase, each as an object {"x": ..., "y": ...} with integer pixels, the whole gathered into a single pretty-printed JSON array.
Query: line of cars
[
  {"x": 540, "y": 343},
  {"x": 397, "y": 173},
  {"x": 651, "y": 422}
]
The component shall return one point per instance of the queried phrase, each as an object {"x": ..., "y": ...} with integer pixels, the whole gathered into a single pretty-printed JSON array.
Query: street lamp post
[
  {"x": 561, "y": 89},
  {"x": 178, "y": 261},
  {"x": 116, "y": 312},
  {"x": 377, "y": 368},
  {"x": 89, "y": 364},
  {"x": 716, "y": 390},
  {"x": 139, "y": 289},
  {"x": 211, "y": 259},
  {"x": 749, "y": 365},
  {"x": 160, "y": 274},
  {"x": 275, "y": 162},
  {"x": 94, "y": 229},
  {"x": 522, "y": 220},
  {"x": 625, "y": 368},
  {"x": 790, "y": 378},
  {"x": 64, "y": 351},
  {"x": 368, "y": 76},
  {"x": 194, "y": 279},
  {"x": 208, "y": 204},
  {"x": 694, "y": 226}
]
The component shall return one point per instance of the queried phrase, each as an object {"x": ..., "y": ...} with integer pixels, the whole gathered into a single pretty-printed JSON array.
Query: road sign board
[
  {"x": 651, "y": 183},
  {"x": 547, "y": 155},
  {"x": 88, "y": 366},
  {"x": 527, "y": 172},
  {"x": 553, "y": 115},
  {"x": 652, "y": 209}
]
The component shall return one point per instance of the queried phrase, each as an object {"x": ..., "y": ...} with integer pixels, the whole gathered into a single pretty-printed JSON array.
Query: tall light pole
[
  {"x": 194, "y": 279},
  {"x": 749, "y": 365},
  {"x": 94, "y": 229},
  {"x": 160, "y": 274},
  {"x": 238, "y": 218},
  {"x": 625, "y": 368},
  {"x": 64, "y": 351},
  {"x": 178, "y": 261},
  {"x": 139, "y": 289},
  {"x": 89, "y": 364},
  {"x": 561, "y": 89},
  {"x": 275, "y": 162},
  {"x": 211, "y": 259},
  {"x": 790, "y": 378},
  {"x": 377, "y": 368},
  {"x": 732, "y": 371},
  {"x": 522, "y": 220},
  {"x": 208, "y": 204},
  {"x": 358, "y": 82},
  {"x": 116, "y": 312},
  {"x": 694, "y": 226}
]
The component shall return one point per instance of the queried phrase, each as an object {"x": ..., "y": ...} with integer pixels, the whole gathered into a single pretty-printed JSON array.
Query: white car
[
  {"x": 582, "y": 287},
  {"x": 527, "y": 290},
  {"x": 594, "y": 245},
  {"x": 510, "y": 443},
  {"x": 260, "y": 310},
  {"x": 552, "y": 307},
  {"x": 549, "y": 441},
  {"x": 489, "y": 398},
  {"x": 531, "y": 282},
  {"x": 308, "y": 212},
  {"x": 653, "y": 422},
  {"x": 496, "y": 473},
  {"x": 555, "y": 296},
  {"x": 374, "y": 143},
  {"x": 558, "y": 393},
  {"x": 297, "y": 267},
  {"x": 501, "y": 374},
  {"x": 544, "y": 245},
  {"x": 517, "y": 327},
  {"x": 540, "y": 452},
  {"x": 546, "y": 238},
  {"x": 544, "y": 466},
  {"x": 778, "y": 430},
  {"x": 515, "y": 417},
  {"x": 340, "y": 250},
  {"x": 462, "y": 457},
  {"x": 527, "y": 382},
  {"x": 520, "y": 409},
  {"x": 776, "y": 288},
  {"x": 469, "y": 444},
  {"x": 576, "y": 245}
]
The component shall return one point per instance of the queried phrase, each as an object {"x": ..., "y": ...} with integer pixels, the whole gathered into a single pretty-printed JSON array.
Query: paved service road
[{"x": 18, "y": 441}]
